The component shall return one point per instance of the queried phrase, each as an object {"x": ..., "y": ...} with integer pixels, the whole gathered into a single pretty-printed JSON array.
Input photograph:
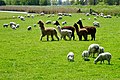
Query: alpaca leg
[
  {"x": 42, "y": 37},
  {"x": 47, "y": 38},
  {"x": 52, "y": 37},
  {"x": 80, "y": 37},
  {"x": 57, "y": 37}
]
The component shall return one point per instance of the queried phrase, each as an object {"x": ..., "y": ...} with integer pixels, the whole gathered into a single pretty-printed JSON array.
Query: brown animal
[
  {"x": 47, "y": 31},
  {"x": 67, "y": 27},
  {"x": 82, "y": 32},
  {"x": 91, "y": 30}
]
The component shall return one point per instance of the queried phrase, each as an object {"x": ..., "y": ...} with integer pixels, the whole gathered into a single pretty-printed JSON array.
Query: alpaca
[
  {"x": 67, "y": 27},
  {"x": 47, "y": 31},
  {"x": 91, "y": 30},
  {"x": 64, "y": 33},
  {"x": 82, "y": 32}
]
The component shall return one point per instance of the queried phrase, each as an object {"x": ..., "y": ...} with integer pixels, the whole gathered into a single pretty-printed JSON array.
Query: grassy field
[{"x": 24, "y": 57}]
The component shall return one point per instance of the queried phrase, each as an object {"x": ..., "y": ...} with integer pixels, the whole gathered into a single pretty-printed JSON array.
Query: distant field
[{"x": 24, "y": 57}]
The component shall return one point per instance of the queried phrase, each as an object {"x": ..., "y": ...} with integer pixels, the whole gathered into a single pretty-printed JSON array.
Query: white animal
[
  {"x": 5, "y": 25},
  {"x": 63, "y": 23},
  {"x": 92, "y": 49},
  {"x": 48, "y": 22},
  {"x": 64, "y": 33},
  {"x": 12, "y": 23},
  {"x": 101, "y": 50},
  {"x": 29, "y": 28},
  {"x": 59, "y": 17},
  {"x": 17, "y": 25},
  {"x": 70, "y": 56},
  {"x": 96, "y": 23},
  {"x": 13, "y": 27},
  {"x": 22, "y": 18},
  {"x": 85, "y": 54},
  {"x": 103, "y": 56}
]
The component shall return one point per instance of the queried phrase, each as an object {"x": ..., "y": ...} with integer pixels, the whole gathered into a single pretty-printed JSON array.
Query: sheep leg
[
  {"x": 69, "y": 36},
  {"x": 109, "y": 62}
]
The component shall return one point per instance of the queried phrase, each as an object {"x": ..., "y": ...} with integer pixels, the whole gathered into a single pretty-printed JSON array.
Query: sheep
[
  {"x": 101, "y": 50},
  {"x": 13, "y": 27},
  {"x": 96, "y": 23},
  {"x": 12, "y": 23},
  {"x": 70, "y": 56},
  {"x": 42, "y": 13},
  {"x": 103, "y": 56},
  {"x": 34, "y": 25},
  {"x": 17, "y": 25},
  {"x": 48, "y": 22},
  {"x": 29, "y": 28},
  {"x": 87, "y": 14},
  {"x": 60, "y": 17},
  {"x": 63, "y": 23},
  {"x": 22, "y": 18},
  {"x": 32, "y": 15},
  {"x": 5, "y": 25},
  {"x": 92, "y": 49},
  {"x": 85, "y": 55}
]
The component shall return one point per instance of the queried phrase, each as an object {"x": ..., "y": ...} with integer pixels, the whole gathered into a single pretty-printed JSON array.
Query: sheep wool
[
  {"x": 70, "y": 56},
  {"x": 103, "y": 56}
]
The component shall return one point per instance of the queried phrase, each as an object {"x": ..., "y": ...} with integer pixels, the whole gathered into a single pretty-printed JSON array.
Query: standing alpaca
[
  {"x": 82, "y": 32},
  {"x": 67, "y": 27},
  {"x": 64, "y": 32},
  {"x": 91, "y": 30},
  {"x": 48, "y": 31}
]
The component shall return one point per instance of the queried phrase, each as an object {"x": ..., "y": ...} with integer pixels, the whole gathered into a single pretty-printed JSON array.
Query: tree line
[{"x": 58, "y": 2}]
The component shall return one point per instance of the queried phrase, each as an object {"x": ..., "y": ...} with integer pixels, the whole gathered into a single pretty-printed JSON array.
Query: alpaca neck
[
  {"x": 59, "y": 29},
  {"x": 42, "y": 28},
  {"x": 77, "y": 30},
  {"x": 81, "y": 25}
]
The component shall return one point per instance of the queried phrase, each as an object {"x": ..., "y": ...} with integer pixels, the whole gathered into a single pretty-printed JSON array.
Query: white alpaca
[
  {"x": 70, "y": 56},
  {"x": 64, "y": 33},
  {"x": 92, "y": 49},
  {"x": 103, "y": 56}
]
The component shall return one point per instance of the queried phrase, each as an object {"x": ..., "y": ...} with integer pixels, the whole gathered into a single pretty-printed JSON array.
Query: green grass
[{"x": 24, "y": 57}]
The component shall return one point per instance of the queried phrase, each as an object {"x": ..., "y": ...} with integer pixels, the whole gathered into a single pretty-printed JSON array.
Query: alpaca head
[
  {"x": 75, "y": 25},
  {"x": 41, "y": 23},
  {"x": 79, "y": 22},
  {"x": 56, "y": 23}
]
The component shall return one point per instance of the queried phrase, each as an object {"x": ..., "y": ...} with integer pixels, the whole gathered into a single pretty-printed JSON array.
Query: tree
[{"x": 2, "y": 2}]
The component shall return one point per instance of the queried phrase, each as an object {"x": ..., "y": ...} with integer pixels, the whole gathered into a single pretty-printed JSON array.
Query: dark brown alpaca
[
  {"x": 67, "y": 27},
  {"x": 91, "y": 30},
  {"x": 47, "y": 31},
  {"x": 82, "y": 32}
]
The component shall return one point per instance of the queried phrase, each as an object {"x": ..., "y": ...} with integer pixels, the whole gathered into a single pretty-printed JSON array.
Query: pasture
[{"x": 24, "y": 57}]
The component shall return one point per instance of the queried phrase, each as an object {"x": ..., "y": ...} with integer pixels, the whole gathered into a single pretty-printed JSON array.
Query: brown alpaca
[
  {"x": 67, "y": 27},
  {"x": 47, "y": 31},
  {"x": 82, "y": 32},
  {"x": 91, "y": 30}
]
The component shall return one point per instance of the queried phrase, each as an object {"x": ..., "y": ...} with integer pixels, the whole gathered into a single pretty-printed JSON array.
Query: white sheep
[
  {"x": 22, "y": 18},
  {"x": 87, "y": 14},
  {"x": 92, "y": 49},
  {"x": 12, "y": 23},
  {"x": 70, "y": 56},
  {"x": 85, "y": 55},
  {"x": 101, "y": 50},
  {"x": 59, "y": 17},
  {"x": 96, "y": 23},
  {"x": 64, "y": 22},
  {"x": 34, "y": 25},
  {"x": 13, "y": 27},
  {"x": 32, "y": 15},
  {"x": 48, "y": 22},
  {"x": 103, "y": 56},
  {"x": 64, "y": 33},
  {"x": 17, "y": 25},
  {"x": 29, "y": 28},
  {"x": 5, "y": 25}
]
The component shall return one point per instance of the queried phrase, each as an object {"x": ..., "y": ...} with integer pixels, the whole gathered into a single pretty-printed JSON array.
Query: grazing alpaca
[
  {"x": 67, "y": 27},
  {"x": 48, "y": 31},
  {"x": 82, "y": 32},
  {"x": 91, "y": 30}
]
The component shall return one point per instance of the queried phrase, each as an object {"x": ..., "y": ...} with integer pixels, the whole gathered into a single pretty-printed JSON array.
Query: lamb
[
  {"x": 13, "y": 27},
  {"x": 96, "y": 23},
  {"x": 63, "y": 23},
  {"x": 92, "y": 49},
  {"x": 60, "y": 17},
  {"x": 48, "y": 22},
  {"x": 22, "y": 18},
  {"x": 70, "y": 56},
  {"x": 103, "y": 56},
  {"x": 5, "y": 25},
  {"x": 101, "y": 50},
  {"x": 29, "y": 28},
  {"x": 64, "y": 33},
  {"x": 85, "y": 55},
  {"x": 17, "y": 25}
]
